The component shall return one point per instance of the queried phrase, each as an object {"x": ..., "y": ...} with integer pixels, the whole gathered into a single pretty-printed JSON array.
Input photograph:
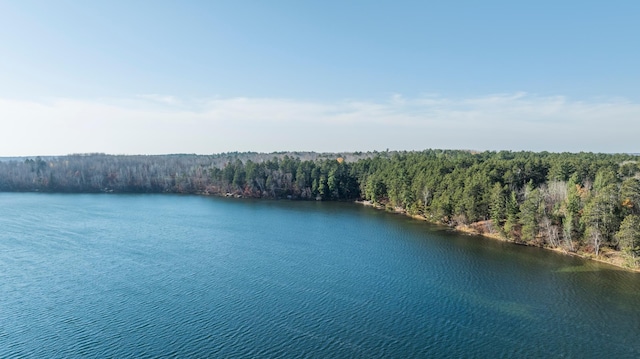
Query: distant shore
[{"x": 586, "y": 203}]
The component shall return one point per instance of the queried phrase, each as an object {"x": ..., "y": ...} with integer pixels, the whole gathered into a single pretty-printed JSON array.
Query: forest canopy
[{"x": 573, "y": 201}]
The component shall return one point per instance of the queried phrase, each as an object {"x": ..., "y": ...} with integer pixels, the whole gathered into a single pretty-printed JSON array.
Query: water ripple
[{"x": 168, "y": 276}]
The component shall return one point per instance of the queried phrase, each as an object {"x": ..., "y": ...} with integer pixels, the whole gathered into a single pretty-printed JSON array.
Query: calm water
[{"x": 153, "y": 275}]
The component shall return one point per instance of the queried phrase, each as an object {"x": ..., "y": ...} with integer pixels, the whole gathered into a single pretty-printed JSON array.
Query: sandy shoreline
[{"x": 609, "y": 257}]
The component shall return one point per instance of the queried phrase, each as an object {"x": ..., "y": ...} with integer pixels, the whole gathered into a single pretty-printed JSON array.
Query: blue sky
[{"x": 207, "y": 76}]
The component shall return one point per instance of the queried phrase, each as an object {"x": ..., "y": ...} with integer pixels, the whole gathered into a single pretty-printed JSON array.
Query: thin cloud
[
  {"x": 163, "y": 99},
  {"x": 165, "y": 124}
]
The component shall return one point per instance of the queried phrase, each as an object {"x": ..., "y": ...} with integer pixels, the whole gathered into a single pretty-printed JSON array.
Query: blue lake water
[{"x": 185, "y": 276}]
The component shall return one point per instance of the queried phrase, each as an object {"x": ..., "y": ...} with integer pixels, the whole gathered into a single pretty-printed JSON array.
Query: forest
[{"x": 584, "y": 203}]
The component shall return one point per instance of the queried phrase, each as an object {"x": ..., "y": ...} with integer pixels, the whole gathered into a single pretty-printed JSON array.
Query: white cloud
[
  {"x": 163, "y": 99},
  {"x": 166, "y": 124}
]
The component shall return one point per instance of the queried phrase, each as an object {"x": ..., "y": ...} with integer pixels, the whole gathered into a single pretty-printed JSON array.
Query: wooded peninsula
[{"x": 583, "y": 203}]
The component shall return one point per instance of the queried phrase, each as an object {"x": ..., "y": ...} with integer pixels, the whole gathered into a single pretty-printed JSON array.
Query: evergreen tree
[
  {"x": 498, "y": 205},
  {"x": 629, "y": 235},
  {"x": 512, "y": 215},
  {"x": 529, "y": 213}
]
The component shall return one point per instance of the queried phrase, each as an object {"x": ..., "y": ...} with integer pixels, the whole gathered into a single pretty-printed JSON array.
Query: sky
[{"x": 156, "y": 77}]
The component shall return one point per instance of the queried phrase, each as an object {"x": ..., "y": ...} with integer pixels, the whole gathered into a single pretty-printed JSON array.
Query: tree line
[{"x": 574, "y": 201}]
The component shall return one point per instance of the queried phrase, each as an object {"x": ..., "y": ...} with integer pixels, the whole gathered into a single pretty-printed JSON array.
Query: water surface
[{"x": 164, "y": 275}]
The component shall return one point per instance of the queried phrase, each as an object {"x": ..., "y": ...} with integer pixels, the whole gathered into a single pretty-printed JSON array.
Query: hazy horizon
[{"x": 162, "y": 77}]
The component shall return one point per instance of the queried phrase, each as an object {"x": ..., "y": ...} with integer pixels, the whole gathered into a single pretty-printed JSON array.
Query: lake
[{"x": 185, "y": 276}]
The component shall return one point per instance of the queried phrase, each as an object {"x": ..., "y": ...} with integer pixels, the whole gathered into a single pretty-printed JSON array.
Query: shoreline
[
  {"x": 613, "y": 259},
  {"x": 469, "y": 230}
]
